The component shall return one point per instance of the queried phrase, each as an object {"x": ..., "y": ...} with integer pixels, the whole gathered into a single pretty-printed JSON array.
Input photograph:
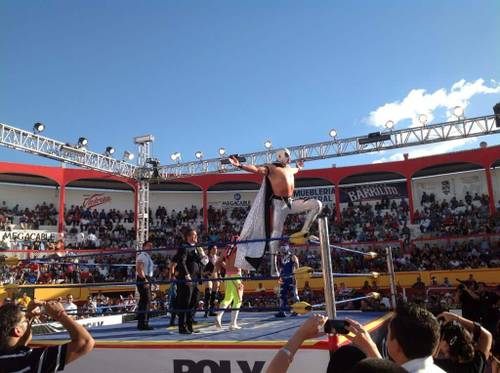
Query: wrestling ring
[{"x": 120, "y": 347}]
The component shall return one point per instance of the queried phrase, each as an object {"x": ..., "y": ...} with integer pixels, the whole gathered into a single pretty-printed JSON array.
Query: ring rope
[{"x": 300, "y": 308}]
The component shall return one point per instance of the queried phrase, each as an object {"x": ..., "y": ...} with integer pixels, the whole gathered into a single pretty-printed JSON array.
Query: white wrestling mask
[{"x": 283, "y": 156}]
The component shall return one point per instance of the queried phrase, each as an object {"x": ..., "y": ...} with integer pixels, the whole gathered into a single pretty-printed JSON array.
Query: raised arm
[
  {"x": 249, "y": 168},
  {"x": 81, "y": 340},
  {"x": 483, "y": 337},
  {"x": 300, "y": 166}
]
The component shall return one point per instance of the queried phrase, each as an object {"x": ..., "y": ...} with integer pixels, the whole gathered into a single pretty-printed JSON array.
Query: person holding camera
[
  {"x": 15, "y": 335},
  {"x": 311, "y": 328},
  {"x": 464, "y": 345}
]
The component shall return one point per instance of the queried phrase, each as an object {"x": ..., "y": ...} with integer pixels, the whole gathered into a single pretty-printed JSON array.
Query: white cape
[{"x": 253, "y": 229}]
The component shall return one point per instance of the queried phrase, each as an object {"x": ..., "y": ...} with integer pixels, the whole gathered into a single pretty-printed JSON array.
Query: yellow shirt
[{"x": 23, "y": 301}]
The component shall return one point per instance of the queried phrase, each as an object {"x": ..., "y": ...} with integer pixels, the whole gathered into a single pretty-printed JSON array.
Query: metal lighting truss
[
  {"x": 433, "y": 133},
  {"x": 30, "y": 142}
]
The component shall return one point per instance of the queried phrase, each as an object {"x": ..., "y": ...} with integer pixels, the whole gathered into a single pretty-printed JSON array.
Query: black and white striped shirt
[{"x": 33, "y": 360}]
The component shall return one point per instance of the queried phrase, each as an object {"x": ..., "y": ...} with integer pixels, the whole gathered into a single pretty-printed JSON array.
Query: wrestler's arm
[
  {"x": 296, "y": 264},
  {"x": 249, "y": 168},
  {"x": 300, "y": 166}
]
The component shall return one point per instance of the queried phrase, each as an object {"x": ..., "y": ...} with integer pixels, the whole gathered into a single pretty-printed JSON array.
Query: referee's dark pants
[
  {"x": 184, "y": 294},
  {"x": 144, "y": 303}
]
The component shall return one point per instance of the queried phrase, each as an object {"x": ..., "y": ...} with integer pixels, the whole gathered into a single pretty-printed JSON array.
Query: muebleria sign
[
  {"x": 325, "y": 194},
  {"x": 27, "y": 235},
  {"x": 368, "y": 192}
]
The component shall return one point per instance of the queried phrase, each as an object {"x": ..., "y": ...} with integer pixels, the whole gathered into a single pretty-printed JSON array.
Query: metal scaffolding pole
[
  {"x": 326, "y": 265},
  {"x": 144, "y": 176},
  {"x": 392, "y": 275}
]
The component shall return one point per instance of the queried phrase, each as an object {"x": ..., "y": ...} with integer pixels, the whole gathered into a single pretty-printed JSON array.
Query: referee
[{"x": 144, "y": 271}]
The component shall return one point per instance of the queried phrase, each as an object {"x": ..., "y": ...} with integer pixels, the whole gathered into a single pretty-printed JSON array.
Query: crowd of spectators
[
  {"x": 454, "y": 217},
  {"x": 381, "y": 221},
  {"x": 27, "y": 218}
]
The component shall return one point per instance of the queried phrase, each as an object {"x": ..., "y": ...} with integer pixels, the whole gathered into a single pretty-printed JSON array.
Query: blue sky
[{"x": 204, "y": 74}]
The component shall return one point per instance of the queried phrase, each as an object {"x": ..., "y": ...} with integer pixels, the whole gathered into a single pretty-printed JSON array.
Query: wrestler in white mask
[{"x": 280, "y": 178}]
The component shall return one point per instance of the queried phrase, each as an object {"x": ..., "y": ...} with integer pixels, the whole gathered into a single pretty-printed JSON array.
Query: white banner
[
  {"x": 206, "y": 360},
  {"x": 91, "y": 322},
  {"x": 27, "y": 234}
]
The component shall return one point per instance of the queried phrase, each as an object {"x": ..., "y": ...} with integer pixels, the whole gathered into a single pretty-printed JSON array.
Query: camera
[{"x": 338, "y": 326}]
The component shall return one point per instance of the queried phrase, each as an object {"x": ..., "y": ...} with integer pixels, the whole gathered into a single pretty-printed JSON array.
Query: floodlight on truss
[
  {"x": 422, "y": 118},
  {"x": 333, "y": 133},
  {"x": 458, "y": 112},
  {"x": 222, "y": 152},
  {"x": 128, "y": 156},
  {"x": 38, "y": 127},
  {"x": 199, "y": 155},
  {"x": 268, "y": 144},
  {"x": 82, "y": 142},
  {"x": 109, "y": 151}
]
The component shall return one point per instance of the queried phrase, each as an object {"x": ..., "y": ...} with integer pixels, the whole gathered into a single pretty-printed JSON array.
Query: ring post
[
  {"x": 326, "y": 264},
  {"x": 392, "y": 276}
]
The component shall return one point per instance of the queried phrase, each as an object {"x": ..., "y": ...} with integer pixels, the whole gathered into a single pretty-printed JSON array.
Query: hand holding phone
[{"x": 337, "y": 326}]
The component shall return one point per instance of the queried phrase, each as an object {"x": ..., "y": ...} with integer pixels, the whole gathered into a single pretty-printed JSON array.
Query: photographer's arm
[
  {"x": 81, "y": 340},
  {"x": 312, "y": 328}
]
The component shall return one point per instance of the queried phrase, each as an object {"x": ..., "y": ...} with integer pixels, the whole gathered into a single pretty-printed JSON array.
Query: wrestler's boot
[
  {"x": 206, "y": 300},
  {"x": 283, "y": 301},
  {"x": 234, "y": 320},
  {"x": 213, "y": 295},
  {"x": 313, "y": 208}
]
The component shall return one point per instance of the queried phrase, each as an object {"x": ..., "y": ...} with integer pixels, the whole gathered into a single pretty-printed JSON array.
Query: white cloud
[
  {"x": 431, "y": 149},
  {"x": 419, "y": 101}
]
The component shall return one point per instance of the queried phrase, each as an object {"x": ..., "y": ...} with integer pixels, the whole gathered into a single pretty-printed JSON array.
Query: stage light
[
  {"x": 127, "y": 156},
  {"x": 176, "y": 157},
  {"x": 422, "y": 118},
  {"x": 38, "y": 127},
  {"x": 389, "y": 124},
  {"x": 222, "y": 151},
  {"x": 268, "y": 144},
  {"x": 110, "y": 151},
  {"x": 458, "y": 112},
  {"x": 333, "y": 133},
  {"x": 199, "y": 155},
  {"x": 82, "y": 142}
]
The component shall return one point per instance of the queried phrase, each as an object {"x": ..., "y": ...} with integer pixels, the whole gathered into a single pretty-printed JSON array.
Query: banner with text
[
  {"x": 27, "y": 235},
  {"x": 325, "y": 194},
  {"x": 368, "y": 192}
]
